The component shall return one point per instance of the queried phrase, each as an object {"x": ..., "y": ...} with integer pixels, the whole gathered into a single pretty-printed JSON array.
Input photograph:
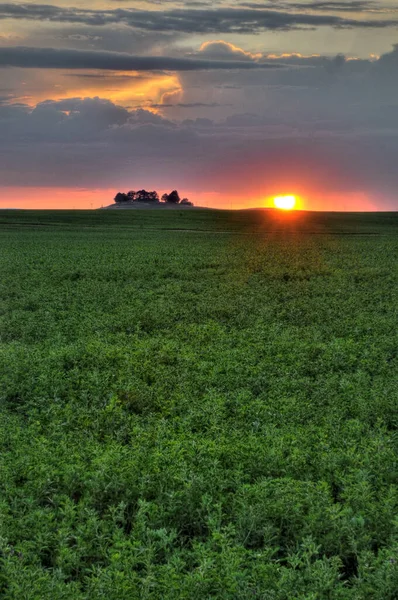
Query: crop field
[{"x": 198, "y": 405}]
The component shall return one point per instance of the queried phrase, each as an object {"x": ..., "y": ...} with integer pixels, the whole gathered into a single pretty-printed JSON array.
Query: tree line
[{"x": 144, "y": 196}]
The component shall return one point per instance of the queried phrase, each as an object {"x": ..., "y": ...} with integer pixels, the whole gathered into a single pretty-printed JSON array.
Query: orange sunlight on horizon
[
  {"x": 86, "y": 198},
  {"x": 285, "y": 202}
]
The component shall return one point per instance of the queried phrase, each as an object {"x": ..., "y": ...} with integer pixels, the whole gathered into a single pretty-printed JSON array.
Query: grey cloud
[
  {"x": 349, "y": 6},
  {"x": 88, "y": 142},
  {"x": 5, "y": 99},
  {"x": 74, "y": 120},
  {"x": 190, "y": 105},
  {"x": 115, "y": 38},
  {"x": 314, "y": 72},
  {"x": 92, "y": 142},
  {"x": 55, "y": 58},
  {"x": 332, "y": 94},
  {"x": 389, "y": 60},
  {"x": 82, "y": 37},
  {"x": 221, "y": 20},
  {"x": 222, "y": 50},
  {"x": 335, "y": 127}
]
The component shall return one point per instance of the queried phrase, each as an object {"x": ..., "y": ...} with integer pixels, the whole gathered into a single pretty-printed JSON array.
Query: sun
[{"x": 285, "y": 202}]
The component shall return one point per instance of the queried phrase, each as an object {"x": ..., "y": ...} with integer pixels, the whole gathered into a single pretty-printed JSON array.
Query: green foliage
[{"x": 198, "y": 405}]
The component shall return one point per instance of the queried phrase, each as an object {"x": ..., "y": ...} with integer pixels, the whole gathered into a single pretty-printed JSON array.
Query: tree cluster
[{"x": 144, "y": 196}]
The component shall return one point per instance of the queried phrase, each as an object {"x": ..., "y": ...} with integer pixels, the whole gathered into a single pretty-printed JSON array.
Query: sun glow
[{"x": 285, "y": 202}]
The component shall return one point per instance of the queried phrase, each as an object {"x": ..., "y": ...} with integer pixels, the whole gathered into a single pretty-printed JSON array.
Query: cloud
[
  {"x": 221, "y": 50},
  {"x": 186, "y": 20},
  {"x": 55, "y": 58},
  {"x": 75, "y": 120},
  {"x": 85, "y": 142},
  {"x": 187, "y": 105},
  {"x": 113, "y": 76},
  {"x": 333, "y": 126},
  {"x": 346, "y": 6}
]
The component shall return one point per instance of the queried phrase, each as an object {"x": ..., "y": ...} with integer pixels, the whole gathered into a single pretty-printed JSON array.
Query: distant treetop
[
  {"x": 172, "y": 198},
  {"x": 144, "y": 196},
  {"x": 120, "y": 197}
]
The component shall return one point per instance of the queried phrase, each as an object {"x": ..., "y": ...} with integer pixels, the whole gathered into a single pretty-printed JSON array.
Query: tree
[
  {"x": 173, "y": 197},
  {"x": 144, "y": 196},
  {"x": 121, "y": 197},
  {"x": 153, "y": 196}
]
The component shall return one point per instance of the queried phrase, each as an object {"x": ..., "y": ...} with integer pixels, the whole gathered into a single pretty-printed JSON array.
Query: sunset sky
[{"x": 230, "y": 102}]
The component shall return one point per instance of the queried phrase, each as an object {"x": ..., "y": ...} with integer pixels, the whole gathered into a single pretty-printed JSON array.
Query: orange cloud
[
  {"x": 129, "y": 89},
  {"x": 227, "y": 48}
]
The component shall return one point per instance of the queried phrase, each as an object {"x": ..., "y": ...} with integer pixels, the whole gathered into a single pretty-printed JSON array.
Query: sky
[{"x": 230, "y": 102}]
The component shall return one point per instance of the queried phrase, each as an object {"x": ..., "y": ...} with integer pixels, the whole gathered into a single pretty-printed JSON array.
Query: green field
[{"x": 198, "y": 405}]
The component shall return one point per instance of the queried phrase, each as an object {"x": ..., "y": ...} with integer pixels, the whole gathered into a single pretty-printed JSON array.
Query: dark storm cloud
[
  {"x": 56, "y": 58},
  {"x": 185, "y": 20}
]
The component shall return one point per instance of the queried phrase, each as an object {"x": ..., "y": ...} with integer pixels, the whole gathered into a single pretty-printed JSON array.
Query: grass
[{"x": 198, "y": 405}]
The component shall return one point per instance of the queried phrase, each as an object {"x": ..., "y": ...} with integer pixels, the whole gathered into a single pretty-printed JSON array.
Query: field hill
[
  {"x": 199, "y": 405},
  {"x": 150, "y": 206}
]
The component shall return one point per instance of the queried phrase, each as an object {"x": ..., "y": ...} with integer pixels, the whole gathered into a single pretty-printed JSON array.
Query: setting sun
[{"x": 285, "y": 202}]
